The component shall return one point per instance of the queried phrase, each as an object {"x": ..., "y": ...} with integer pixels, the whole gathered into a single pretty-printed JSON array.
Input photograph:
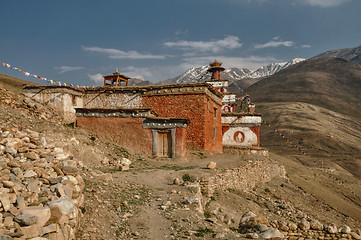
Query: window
[
  {"x": 215, "y": 114},
  {"x": 214, "y": 133},
  {"x": 73, "y": 99}
]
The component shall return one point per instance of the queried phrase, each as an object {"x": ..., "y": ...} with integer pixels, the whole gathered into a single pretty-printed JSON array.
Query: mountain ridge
[
  {"x": 352, "y": 54},
  {"x": 196, "y": 74}
]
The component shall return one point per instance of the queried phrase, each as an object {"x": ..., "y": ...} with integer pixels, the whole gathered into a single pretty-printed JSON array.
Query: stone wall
[
  {"x": 254, "y": 227},
  {"x": 243, "y": 178},
  {"x": 62, "y": 99},
  {"x": 112, "y": 100},
  {"x": 40, "y": 188}
]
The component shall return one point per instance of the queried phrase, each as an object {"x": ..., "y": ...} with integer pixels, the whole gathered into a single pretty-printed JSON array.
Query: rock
[
  {"x": 30, "y": 174},
  {"x": 316, "y": 225},
  {"x": 125, "y": 161},
  {"x": 4, "y": 134},
  {"x": 8, "y": 184},
  {"x": 65, "y": 205},
  {"x": 271, "y": 233},
  {"x": 345, "y": 229},
  {"x": 67, "y": 170},
  {"x": 32, "y": 156},
  {"x": 211, "y": 165},
  {"x": 5, "y": 203},
  {"x": 14, "y": 143},
  {"x": 304, "y": 224},
  {"x": 3, "y": 163},
  {"x": 26, "y": 219},
  {"x": 42, "y": 213},
  {"x": 11, "y": 151},
  {"x": 292, "y": 226},
  {"x": 259, "y": 228},
  {"x": 355, "y": 235},
  {"x": 30, "y": 231},
  {"x": 190, "y": 200},
  {"x": 332, "y": 228},
  {"x": 49, "y": 229},
  {"x": 8, "y": 221},
  {"x": 4, "y": 237},
  {"x": 61, "y": 156},
  {"x": 176, "y": 181},
  {"x": 246, "y": 216},
  {"x": 33, "y": 186},
  {"x": 43, "y": 142},
  {"x": 20, "y": 134},
  {"x": 124, "y": 164},
  {"x": 123, "y": 168},
  {"x": 252, "y": 235},
  {"x": 219, "y": 236}
]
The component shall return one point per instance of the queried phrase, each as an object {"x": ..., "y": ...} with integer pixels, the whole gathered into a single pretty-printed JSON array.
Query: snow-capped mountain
[
  {"x": 196, "y": 74},
  {"x": 273, "y": 68}
]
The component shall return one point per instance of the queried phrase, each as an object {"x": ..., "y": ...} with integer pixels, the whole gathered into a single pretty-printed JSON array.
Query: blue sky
[{"x": 79, "y": 41}]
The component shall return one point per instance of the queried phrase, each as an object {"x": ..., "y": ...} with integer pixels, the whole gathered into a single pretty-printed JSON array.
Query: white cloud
[
  {"x": 137, "y": 72},
  {"x": 230, "y": 42},
  {"x": 63, "y": 69},
  {"x": 324, "y": 3},
  {"x": 97, "y": 78},
  {"x": 275, "y": 44},
  {"x": 305, "y": 46},
  {"x": 118, "y": 54}
]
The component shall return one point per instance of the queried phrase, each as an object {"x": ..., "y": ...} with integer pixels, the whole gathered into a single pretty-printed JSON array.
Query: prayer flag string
[
  {"x": 50, "y": 81},
  {"x": 277, "y": 132}
]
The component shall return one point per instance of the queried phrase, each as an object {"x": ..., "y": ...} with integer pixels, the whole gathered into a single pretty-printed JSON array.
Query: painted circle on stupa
[{"x": 238, "y": 137}]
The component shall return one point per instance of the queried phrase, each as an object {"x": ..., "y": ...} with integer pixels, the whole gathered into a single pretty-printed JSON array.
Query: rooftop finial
[
  {"x": 116, "y": 70},
  {"x": 215, "y": 63}
]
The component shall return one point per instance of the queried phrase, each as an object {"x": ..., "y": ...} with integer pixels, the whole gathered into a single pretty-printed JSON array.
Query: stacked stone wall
[{"x": 40, "y": 188}]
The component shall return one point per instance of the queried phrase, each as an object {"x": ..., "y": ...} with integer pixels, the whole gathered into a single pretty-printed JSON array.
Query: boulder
[
  {"x": 345, "y": 229},
  {"x": 271, "y": 233},
  {"x": 211, "y": 165},
  {"x": 25, "y": 219},
  {"x": 304, "y": 224},
  {"x": 332, "y": 228},
  {"x": 42, "y": 213},
  {"x": 316, "y": 225}
]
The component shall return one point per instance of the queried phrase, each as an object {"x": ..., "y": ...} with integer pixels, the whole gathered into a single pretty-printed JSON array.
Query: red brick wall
[
  {"x": 126, "y": 132},
  {"x": 213, "y": 125},
  {"x": 193, "y": 107},
  {"x": 180, "y": 142},
  {"x": 256, "y": 131}
]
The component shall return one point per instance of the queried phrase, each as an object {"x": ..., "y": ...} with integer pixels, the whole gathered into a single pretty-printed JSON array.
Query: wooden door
[{"x": 164, "y": 144}]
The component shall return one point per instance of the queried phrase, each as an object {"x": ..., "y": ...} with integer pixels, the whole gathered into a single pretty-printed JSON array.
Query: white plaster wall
[
  {"x": 219, "y": 84},
  {"x": 230, "y": 98},
  {"x": 61, "y": 102},
  {"x": 240, "y": 136},
  {"x": 244, "y": 119}
]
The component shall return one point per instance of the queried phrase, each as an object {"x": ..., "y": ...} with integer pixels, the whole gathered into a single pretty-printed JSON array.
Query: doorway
[{"x": 164, "y": 144}]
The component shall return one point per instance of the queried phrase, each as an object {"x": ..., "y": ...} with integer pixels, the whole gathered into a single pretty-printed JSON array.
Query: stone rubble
[
  {"x": 40, "y": 188},
  {"x": 254, "y": 227}
]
